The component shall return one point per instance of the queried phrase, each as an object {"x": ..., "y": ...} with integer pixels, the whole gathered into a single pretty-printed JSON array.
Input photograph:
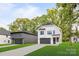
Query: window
[
  {"x": 4, "y": 40},
  {"x": 41, "y": 32},
  {"x": 6, "y": 35},
  {"x": 49, "y": 32},
  {"x": 8, "y": 41},
  {"x": 57, "y": 39},
  {"x": 53, "y": 31},
  {"x": 75, "y": 39}
]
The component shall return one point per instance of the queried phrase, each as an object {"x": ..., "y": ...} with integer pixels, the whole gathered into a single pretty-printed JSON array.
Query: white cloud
[
  {"x": 29, "y": 12},
  {"x": 9, "y": 13},
  {"x": 6, "y": 7}
]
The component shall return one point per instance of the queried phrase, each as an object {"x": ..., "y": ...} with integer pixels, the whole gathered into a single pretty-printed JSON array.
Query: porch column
[
  {"x": 51, "y": 39},
  {"x": 56, "y": 40},
  {"x": 38, "y": 40},
  {"x": 22, "y": 41}
]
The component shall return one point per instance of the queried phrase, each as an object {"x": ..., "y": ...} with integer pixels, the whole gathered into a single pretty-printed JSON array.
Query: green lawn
[
  {"x": 65, "y": 49},
  {"x": 14, "y": 47},
  {"x": 4, "y": 44}
]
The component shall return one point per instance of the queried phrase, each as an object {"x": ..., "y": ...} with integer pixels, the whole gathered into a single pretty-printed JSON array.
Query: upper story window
[
  {"x": 6, "y": 35},
  {"x": 49, "y": 32},
  {"x": 4, "y": 40},
  {"x": 41, "y": 32},
  {"x": 53, "y": 31}
]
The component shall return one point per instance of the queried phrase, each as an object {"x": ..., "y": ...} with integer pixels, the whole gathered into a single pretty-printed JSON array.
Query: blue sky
[{"x": 9, "y": 12}]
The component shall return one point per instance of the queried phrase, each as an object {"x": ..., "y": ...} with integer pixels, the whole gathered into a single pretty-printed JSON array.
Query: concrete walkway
[
  {"x": 22, "y": 51},
  {"x": 7, "y": 45}
]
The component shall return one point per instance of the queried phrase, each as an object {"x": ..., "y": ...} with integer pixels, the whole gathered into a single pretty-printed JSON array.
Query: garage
[
  {"x": 17, "y": 41},
  {"x": 44, "y": 40}
]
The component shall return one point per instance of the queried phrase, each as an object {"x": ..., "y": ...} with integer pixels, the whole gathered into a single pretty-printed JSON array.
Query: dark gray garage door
[
  {"x": 18, "y": 41},
  {"x": 45, "y": 40}
]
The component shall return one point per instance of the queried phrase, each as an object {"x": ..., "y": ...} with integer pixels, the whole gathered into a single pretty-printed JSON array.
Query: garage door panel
[
  {"x": 18, "y": 41},
  {"x": 45, "y": 40}
]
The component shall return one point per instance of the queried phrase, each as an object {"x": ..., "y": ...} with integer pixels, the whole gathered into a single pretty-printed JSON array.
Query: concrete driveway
[{"x": 22, "y": 51}]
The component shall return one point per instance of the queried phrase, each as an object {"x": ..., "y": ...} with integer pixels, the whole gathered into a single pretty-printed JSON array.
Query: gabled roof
[
  {"x": 48, "y": 24},
  {"x": 4, "y": 31},
  {"x": 45, "y": 24}
]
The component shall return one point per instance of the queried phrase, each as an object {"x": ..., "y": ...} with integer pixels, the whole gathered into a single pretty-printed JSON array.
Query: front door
[{"x": 54, "y": 40}]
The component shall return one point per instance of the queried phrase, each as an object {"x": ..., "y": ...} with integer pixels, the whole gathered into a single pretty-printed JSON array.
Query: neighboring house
[
  {"x": 49, "y": 34},
  {"x": 77, "y": 8},
  {"x": 75, "y": 27},
  {"x": 23, "y": 37},
  {"x": 4, "y": 36},
  {"x": 74, "y": 39}
]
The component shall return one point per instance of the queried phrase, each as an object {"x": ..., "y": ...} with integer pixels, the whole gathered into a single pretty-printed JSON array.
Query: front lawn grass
[
  {"x": 64, "y": 49},
  {"x": 4, "y": 44},
  {"x": 14, "y": 47}
]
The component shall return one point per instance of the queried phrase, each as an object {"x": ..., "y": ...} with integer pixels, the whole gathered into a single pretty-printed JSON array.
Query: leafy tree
[
  {"x": 64, "y": 16},
  {"x": 38, "y": 21},
  {"x": 20, "y": 24}
]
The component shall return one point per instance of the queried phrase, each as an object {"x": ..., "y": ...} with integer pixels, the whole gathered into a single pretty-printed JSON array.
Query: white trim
[
  {"x": 38, "y": 40},
  {"x": 51, "y": 40}
]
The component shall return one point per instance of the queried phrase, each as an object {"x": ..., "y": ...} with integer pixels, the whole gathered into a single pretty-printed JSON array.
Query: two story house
[{"x": 49, "y": 34}]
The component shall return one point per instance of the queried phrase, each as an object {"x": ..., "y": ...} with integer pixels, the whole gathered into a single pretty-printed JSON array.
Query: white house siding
[
  {"x": 4, "y": 39},
  {"x": 50, "y": 28},
  {"x": 75, "y": 27}
]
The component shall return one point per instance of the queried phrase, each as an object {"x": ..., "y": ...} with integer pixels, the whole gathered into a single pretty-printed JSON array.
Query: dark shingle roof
[
  {"x": 25, "y": 32},
  {"x": 4, "y": 31}
]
